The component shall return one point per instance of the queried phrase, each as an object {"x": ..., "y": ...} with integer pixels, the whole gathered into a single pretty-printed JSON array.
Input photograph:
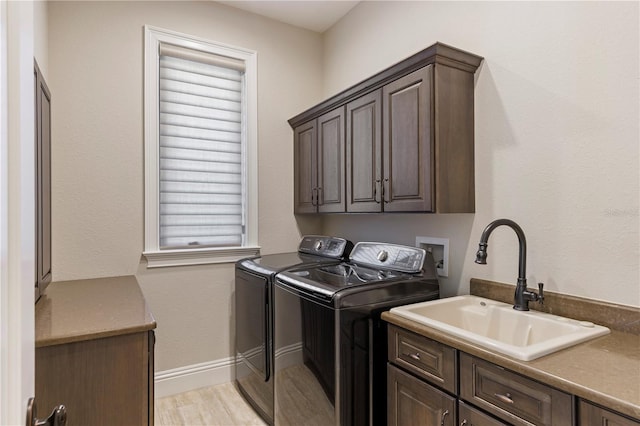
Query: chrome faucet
[{"x": 522, "y": 296}]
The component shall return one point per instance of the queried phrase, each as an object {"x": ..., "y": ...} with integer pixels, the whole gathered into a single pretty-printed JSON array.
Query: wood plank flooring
[{"x": 219, "y": 405}]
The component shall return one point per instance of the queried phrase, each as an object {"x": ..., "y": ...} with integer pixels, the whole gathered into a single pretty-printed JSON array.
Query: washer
[
  {"x": 330, "y": 343},
  {"x": 254, "y": 313}
]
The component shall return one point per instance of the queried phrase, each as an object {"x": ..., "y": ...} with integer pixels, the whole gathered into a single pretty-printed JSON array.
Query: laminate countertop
[
  {"x": 72, "y": 311},
  {"x": 605, "y": 370}
]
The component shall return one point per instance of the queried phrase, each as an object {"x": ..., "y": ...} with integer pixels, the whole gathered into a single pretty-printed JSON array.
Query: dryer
[{"x": 254, "y": 313}]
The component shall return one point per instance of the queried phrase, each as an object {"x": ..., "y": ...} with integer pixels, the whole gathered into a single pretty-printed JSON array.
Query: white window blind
[{"x": 201, "y": 149}]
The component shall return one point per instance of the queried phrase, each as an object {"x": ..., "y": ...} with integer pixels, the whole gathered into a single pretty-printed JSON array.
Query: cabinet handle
[
  {"x": 375, "y": 191},
  {"x": 313, "y": 196},
  {"x": 384, "y": 197},
  {"x": 504, "y": 398},
  {"x": 445, "y": 414},
  {"x": 415, "y": 356},
  {"x": 464, "y": 422}
]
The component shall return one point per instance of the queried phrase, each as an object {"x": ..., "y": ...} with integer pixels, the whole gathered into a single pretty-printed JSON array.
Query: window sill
[{"x": 203, "y": 256}]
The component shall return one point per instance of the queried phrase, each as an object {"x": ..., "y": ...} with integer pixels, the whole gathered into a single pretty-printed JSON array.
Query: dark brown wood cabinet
[
  {"x": 426, "y": 358},
  {"x": 94, "y": 352},
  {"x": 364, "y": 153},
  {"x": 593, "y": 415},
  {"x": 408, "y": 143},
  {"x": 305, "y": 167},
  {"x": 42, "y": 133},
  {"x": 414, "y": 402},
  {"x": 106, "y": 381},
  {"x": 483, "y": 393},
  {"x": 486, "y": 395},
  {"x": 511, "y": 397},
  {"x": 470, "y": 416},
  {"x": 319, "y": 164},
  {"x": 409, "y": 136}
]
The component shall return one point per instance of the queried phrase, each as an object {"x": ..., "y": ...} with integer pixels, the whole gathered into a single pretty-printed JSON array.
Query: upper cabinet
[
  {"x": 400, "y": 141},
  {"x": 42, "y": 182},
  {"x": 320, "y": 165}
]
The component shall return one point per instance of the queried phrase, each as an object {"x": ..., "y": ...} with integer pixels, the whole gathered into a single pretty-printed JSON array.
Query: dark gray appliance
[
  {"x": 331, "y": 314},
  {"x": 254, "y": 313}
]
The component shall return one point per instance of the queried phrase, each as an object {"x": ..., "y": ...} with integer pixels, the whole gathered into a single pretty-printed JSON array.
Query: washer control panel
[{"x": 388, "y": 256}]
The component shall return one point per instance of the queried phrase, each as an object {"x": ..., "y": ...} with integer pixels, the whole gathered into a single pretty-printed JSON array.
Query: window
[{"x": 200, "y": 151}]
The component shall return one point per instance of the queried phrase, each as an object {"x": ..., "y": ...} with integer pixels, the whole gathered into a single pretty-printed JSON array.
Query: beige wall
[
  {"x": 556, "y": 125},
  {"x": 96, "y": 78},
  {"x": 40, "y": 37},
  {"x": 556, "y": 144}
]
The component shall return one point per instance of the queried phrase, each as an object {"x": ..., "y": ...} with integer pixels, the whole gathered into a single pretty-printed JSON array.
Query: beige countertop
[
  {"x": 605, "y": 370},
  {"x": 72, "y": 311}
]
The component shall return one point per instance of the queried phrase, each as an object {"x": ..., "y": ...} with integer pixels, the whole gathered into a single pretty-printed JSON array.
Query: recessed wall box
[{"x": 439, "y": 249}]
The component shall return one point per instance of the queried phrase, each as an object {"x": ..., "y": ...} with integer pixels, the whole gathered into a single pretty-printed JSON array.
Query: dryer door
[{"x": 253, "y": 322}]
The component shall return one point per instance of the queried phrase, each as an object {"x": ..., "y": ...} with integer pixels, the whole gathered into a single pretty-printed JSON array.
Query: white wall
[
  {"x": 96, "y": 80},
  {"x": 556, "y": 133}
]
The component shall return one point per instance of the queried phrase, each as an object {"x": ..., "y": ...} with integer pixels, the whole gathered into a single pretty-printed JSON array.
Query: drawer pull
[
  {"x": 464, "y": 422},
  {"x": 415, "y": 356},
  {"x": 504, "y": 398},
  {"x": 446, "y": 412}
]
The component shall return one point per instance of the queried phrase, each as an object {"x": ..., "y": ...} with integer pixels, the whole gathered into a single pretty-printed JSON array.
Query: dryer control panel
[{"x": 321, "y": 245}]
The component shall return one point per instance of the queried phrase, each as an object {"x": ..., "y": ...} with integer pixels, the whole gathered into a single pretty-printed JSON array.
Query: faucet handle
[{"x": 540, "y": 293}]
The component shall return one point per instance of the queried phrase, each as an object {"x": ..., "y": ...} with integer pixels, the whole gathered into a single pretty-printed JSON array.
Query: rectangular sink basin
[{"x": 497, "y": 326}]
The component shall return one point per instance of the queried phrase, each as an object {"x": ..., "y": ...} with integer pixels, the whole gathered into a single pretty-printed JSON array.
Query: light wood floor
[{"x": 219, "y": 405}]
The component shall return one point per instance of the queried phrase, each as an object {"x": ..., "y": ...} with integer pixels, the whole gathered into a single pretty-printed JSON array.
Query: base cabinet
[
  {"x": 423, "y": 388},
  {"x": 511, "y": 397},
  {"x": 414, "y": 402},
  {"x": 105, "y": 381},
  {"x": 470, "y": 416},
  {"x": 430, "y": 383},
  {"x": 592, "y": 415}
]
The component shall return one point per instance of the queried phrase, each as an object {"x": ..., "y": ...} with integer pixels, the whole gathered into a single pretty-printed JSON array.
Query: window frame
[{"x": 155, "y": 256}]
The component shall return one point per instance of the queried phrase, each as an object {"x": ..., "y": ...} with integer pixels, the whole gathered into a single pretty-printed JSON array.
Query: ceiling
[{"x": 310, "y": 14}]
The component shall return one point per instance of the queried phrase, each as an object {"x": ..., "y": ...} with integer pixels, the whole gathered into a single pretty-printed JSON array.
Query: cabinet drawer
[
  {"x": 592, "y": 415},
  {"x": 427, "y": 358},
  {"x": 414, "y": 402},
  {"x": 512, "y": 397},
  {"x": 470, "y": 416}
]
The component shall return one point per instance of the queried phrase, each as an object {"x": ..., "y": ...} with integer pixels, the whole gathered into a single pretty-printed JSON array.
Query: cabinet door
[
  {"x": 413, "y": 402},
  {"x": 591, "y": 415},
  {"x": 102, "y": 381},
  {"x": 364, "y": 153},
  {"x": 511, "y": 397},
  {"x": 330, "y": 193},
  {"x": 470, "y": 416},
  {"x": 305, "y": 173},
  {"x": 42, "y": 181},
  {"x": 408, "y": 142}
]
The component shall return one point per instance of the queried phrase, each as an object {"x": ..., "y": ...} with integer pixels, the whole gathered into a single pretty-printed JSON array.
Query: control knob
[{"x": 383, "y": 255}]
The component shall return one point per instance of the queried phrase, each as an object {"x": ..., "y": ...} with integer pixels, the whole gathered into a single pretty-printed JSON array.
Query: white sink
[{"x": 497, "y": 326}]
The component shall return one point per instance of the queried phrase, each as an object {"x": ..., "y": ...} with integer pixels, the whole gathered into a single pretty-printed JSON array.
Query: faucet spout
[{"x": 522, "y": 295}]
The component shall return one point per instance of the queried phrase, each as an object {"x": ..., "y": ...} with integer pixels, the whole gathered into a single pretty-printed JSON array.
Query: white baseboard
[{"x": 195, "y": 376}]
